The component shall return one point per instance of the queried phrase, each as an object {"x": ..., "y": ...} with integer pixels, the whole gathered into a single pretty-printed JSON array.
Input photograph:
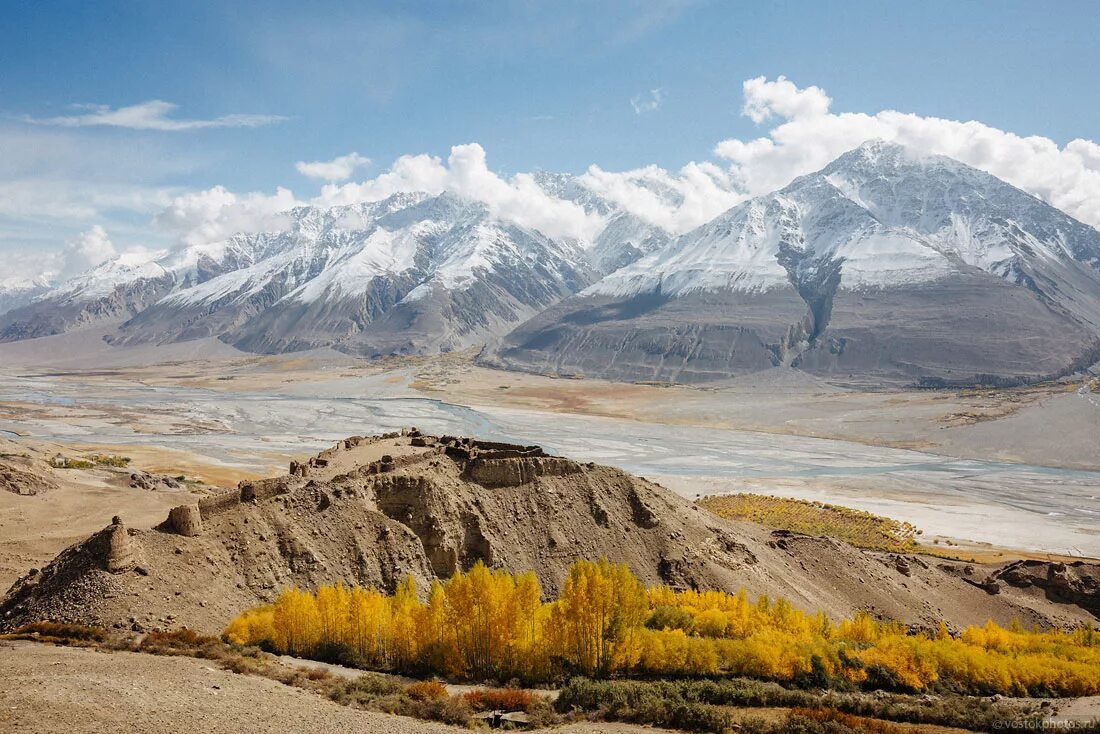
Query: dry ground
[
  {"x": 33, "y": 529},
  {"x": 52, "y": 690}
]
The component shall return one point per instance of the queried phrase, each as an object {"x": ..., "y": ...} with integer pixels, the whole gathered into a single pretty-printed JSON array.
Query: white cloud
[
  {"x": 80, "y": 253},
  {"x": 781, "y": 97},
  {"x": 466, "y": 174},
  {"x": 676, "y": 202},
  {"x": 801, "y": 133},
  {"x": 649, "y": 102},
  {"x": 85, "y": 251},
  {"x": 807, "y": 136},
  {"x": 215, "y": 214},
  {"x": 340, "y": 168},
  {"x": 151, "y": 115}
]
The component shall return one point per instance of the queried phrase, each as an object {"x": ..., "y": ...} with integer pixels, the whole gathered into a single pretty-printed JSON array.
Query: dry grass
[
  {"x": 58, "y": 634},
  {"x": 855, "y": 527},
  {"x": 500, "y": 699},
  {"x": 426, "y": 690}
]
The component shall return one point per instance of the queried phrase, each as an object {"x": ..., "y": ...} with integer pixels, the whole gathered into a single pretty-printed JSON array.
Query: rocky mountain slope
[
  {"x": 411, "y": 273},
  {"x": 16, "y": 292},
  {"x": 408, "y": 274},
  {"x": 625, "y": 237},
  {"x": 369, "y": 511},
  {"x": 883, "y": 264}
]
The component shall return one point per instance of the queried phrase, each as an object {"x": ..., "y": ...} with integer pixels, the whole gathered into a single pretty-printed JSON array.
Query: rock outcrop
[
  {"x": 1068, "y": 583},
  {"x": 20, "y": 480}
]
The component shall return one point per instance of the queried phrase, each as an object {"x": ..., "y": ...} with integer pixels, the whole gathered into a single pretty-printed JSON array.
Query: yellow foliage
[
  {"x": 253, "y": 626},
  {"x": 491, "y": 623}
]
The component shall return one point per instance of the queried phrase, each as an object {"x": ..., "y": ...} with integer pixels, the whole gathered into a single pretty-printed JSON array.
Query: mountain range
[{"x": 884, "y": 265}]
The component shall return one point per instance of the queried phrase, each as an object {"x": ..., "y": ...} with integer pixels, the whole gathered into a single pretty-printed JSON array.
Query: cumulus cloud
[
  {"x": 466, "y": 174},
  {"x": 215, "y": 214},
  {"x": 763, "y": 99},
  {"x": 85, "y": 251},
  {"x": 676, "y": 202},
  {"x": 802, "y": 134},
  {"x": 650, "y": 102},
  {"x": 151, "y": 115},
  {"x": 808, "y": 135},
  {"x": 340, "y": 168}
]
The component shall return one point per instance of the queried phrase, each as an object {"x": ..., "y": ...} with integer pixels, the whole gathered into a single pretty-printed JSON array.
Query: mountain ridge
[{"x": 883, "y": 263}]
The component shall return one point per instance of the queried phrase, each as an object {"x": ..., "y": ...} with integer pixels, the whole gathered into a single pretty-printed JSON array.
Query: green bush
[{"x": 672, "y": 618}]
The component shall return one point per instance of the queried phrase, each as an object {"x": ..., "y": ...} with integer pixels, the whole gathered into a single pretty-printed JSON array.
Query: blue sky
[{"x": 539, "y": 85}]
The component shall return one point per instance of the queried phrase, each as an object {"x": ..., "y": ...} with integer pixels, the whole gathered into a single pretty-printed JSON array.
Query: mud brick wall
[{"x": 514, "y": 472}]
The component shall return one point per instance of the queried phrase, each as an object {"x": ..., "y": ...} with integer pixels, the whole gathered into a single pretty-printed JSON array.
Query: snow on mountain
[
  {"x": 409, "y": 248},
  {"x": 104, "y": 278},
  {"x": 16, "y": 292},
  {"x": 406, "y": 274},
  {"x": 884, "y": 264},
  {"x": 857, "y": 267},
  {"x": 625, "y": 237},
  {"x": 888, "y": 216}
]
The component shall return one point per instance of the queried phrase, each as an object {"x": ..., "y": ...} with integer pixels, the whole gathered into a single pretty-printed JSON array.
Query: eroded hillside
[{"x": 371, "y": 510}]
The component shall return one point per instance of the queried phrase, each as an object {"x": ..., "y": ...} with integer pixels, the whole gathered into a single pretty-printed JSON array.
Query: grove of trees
[{"x": 486, "y": 623}]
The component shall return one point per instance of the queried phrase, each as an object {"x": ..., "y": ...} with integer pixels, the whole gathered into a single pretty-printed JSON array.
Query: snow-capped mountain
[
  {"x": 16, "y": 292},
  {"x": 884, "y": 263},
  {"x": 410, "y": 273},
  {"x": 111, "y": 291},
  {"x": 625, "y": 236}
]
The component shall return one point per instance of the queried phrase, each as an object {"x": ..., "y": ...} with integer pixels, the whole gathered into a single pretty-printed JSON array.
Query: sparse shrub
[
  {"x": 182, "y": 641},
  {"x": 76, "y": 464},
  {"x": 857, "y": 527},
  {"x": 118, "y": 462},
  {"x": 856, "y": 723},
  {"x": 427, "y": 690},
  {"x": 59, "y": 633},
  {"x": 317, "y": 674},
  {"x": 338, "y": 653},
  {"x": 244, "y": 665},
  {"x": 448, "y": 709},
  {"x": 502, "y": 699},
  {"x": 541, "y": 712}
]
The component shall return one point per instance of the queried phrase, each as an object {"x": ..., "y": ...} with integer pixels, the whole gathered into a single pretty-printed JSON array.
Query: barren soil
[{"x": 46, "y": 689}]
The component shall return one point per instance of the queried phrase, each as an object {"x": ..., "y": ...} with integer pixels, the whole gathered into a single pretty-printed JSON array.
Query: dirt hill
[{"x": 371, "y": 510}]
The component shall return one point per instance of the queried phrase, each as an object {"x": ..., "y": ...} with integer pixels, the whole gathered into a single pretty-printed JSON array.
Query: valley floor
[{"x": 978, "y": 471}]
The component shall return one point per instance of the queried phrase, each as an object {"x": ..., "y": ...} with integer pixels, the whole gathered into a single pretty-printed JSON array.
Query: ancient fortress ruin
[{"x": 488, "y": 463}]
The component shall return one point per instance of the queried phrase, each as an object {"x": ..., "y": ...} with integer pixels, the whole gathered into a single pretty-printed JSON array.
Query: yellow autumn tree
[{"x": 491, "y": 623}]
